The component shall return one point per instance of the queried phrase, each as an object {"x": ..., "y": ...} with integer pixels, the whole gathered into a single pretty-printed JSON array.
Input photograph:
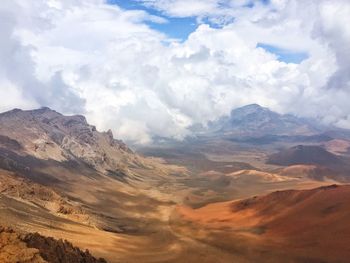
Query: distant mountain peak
[
  {"x": 250, "y": 109},
  {"x": 45, "y": 108},
  {"x": 16, "y": 111},
  {"x": 254, "y": 120},
  {"x": 46, "y": 114},
  {"x": 253, "y": 106}
]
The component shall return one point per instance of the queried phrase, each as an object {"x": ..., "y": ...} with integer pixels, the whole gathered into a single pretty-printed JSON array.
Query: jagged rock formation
[
  {"x": 34, "y": 248},
  {"x": 47, "y": 134},
  {"x": 15, "y": 250}
]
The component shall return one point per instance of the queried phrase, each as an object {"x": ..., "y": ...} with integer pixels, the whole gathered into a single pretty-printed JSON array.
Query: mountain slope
[
  {"x": 36, "y": 195},
  {"x": 305, "y": 154},
  {"x": 293, "y": 224}
]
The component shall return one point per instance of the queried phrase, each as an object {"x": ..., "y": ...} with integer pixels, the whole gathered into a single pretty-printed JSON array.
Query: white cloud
[
  {"x": 92, "y": 58},
  {"x": 183, "y": 8}
]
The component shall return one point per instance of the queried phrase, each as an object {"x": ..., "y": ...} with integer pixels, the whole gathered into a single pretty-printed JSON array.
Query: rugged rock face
[
  {"x": 34, "y": 248},
  {"x": 47, "y": 134},
  {"x": 57, "y": 251},
  {"x": 14, "y": 250}
]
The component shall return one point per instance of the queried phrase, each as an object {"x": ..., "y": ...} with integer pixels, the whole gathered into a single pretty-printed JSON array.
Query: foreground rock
[{"x": 22, "y": 248}]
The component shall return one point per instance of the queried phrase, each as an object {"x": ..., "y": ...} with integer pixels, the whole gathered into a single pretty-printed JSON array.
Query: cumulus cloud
[
  {"x": 184, "y": 8},
  {"x": 20, "y": 86},
  {"x": 89, "y": 57}
]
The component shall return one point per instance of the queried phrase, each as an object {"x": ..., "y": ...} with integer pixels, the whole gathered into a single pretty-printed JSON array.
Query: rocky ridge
[{"x": 47, "y": 134}]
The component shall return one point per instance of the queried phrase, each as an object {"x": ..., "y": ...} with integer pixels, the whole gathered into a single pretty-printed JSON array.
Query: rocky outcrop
[
  {"x": 15, "y": 250},
  {"x": 34, "y": 248}
]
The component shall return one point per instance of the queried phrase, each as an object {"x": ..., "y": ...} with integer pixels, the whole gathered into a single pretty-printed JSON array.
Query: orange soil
[{"x": 312, "y": 224}]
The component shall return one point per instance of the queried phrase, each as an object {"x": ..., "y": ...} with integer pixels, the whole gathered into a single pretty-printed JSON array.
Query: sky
[{"x": 148, "y": 68}]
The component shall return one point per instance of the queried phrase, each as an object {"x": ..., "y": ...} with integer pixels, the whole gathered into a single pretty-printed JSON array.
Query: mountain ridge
[
  {"x": 47, "y": 134},
  {"x": 255, "y": 120}
]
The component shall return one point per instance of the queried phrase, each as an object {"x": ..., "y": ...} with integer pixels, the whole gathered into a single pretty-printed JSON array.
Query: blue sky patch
[
  {"x": 284, "y": 55},
  {"x": 252, "y": 3},
  {"x": 178, "y": 28}
]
